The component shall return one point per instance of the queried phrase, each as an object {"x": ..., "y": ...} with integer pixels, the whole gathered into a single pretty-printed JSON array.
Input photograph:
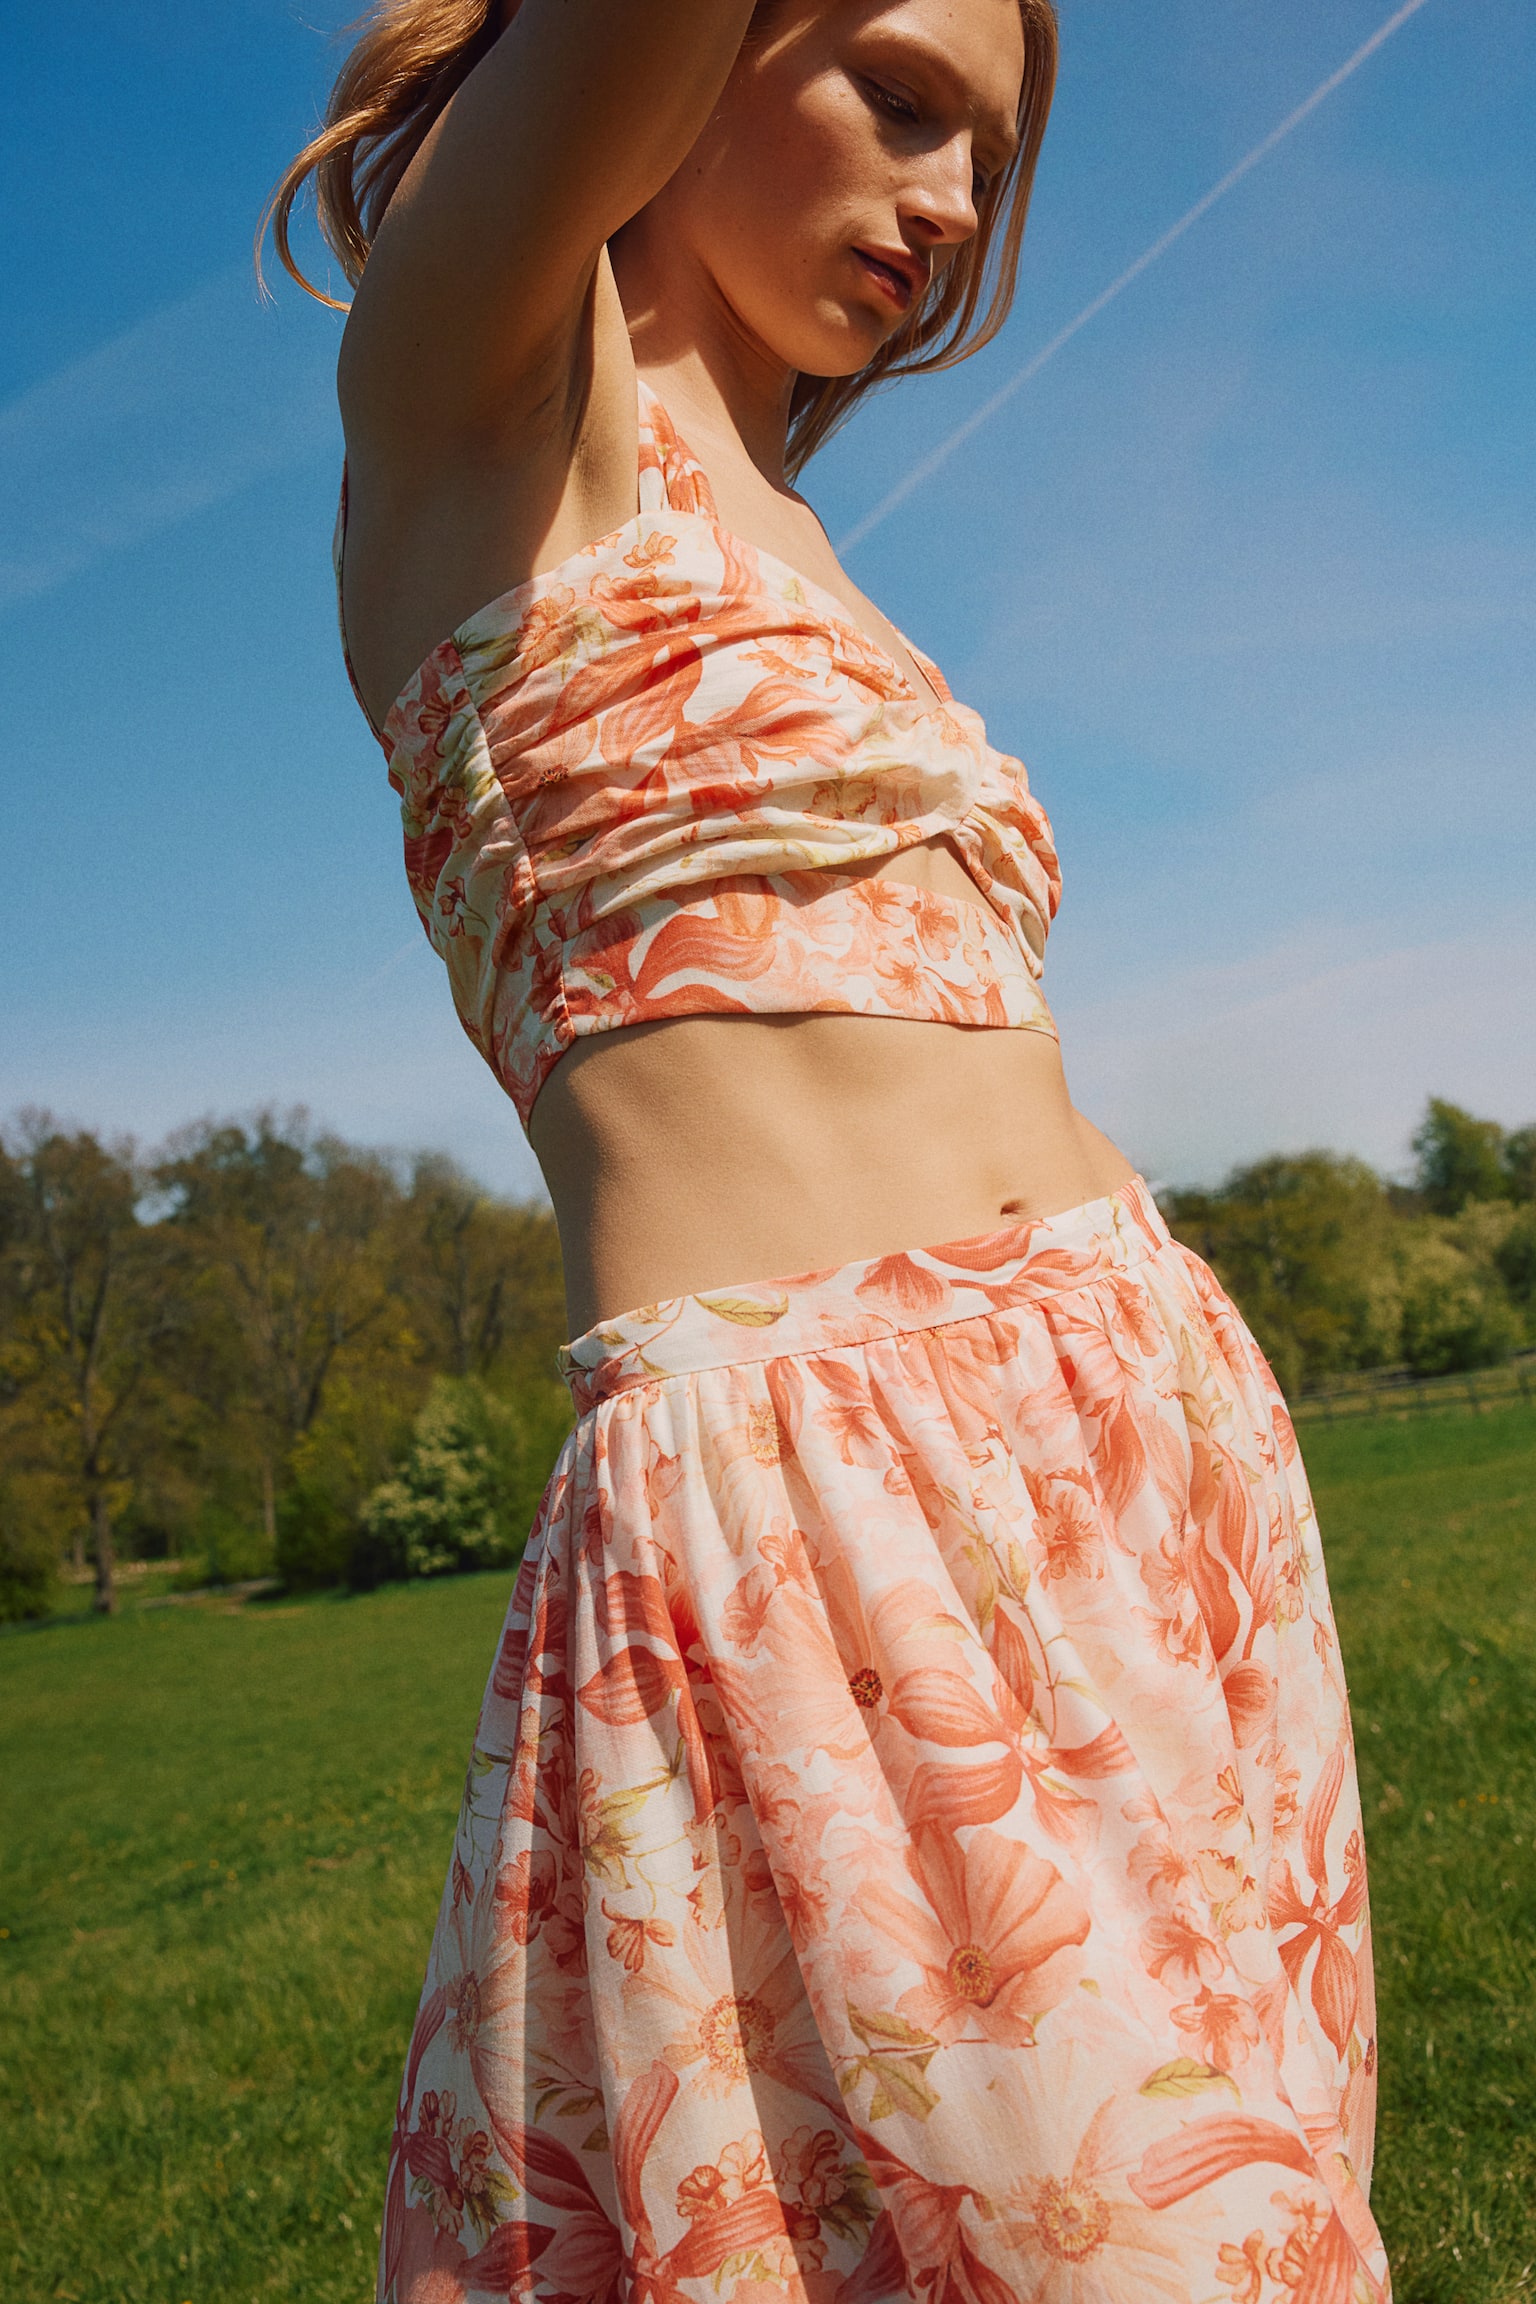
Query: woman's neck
[{"x": 718, "y": 379}]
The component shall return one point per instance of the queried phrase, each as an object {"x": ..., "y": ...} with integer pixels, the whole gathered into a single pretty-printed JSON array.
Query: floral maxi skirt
[{"x": 912, "y": 1848}]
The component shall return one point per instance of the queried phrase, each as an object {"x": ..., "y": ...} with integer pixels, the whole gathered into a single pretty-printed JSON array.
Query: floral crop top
[{"x": 634, "y": 788}]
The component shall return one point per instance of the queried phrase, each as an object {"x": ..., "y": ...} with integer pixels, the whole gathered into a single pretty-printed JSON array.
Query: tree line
[
  {"x": 263, "y": 1350},
  {"x": 222, "y": 1351},
  {"x": 1336, "y": 1268}
]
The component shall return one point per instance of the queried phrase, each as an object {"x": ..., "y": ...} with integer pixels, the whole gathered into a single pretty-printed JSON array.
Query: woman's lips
[{"x": 894, "y": 284}]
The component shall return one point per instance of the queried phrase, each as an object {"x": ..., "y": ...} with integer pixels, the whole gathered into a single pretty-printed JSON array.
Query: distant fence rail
[
  {"x": 124, "y": 1569},
  {"x": 1396, "y": 1392}
]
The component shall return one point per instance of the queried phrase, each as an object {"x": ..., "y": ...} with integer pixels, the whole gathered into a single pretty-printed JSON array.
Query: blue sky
[{"x": 1246, "y": 574}]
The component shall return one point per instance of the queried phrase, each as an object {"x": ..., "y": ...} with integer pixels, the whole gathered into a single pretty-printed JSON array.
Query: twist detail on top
[{"x": 642, "y": 784}]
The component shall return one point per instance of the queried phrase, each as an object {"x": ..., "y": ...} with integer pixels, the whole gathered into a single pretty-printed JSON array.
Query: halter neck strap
[{"x": 671, "y": 477}]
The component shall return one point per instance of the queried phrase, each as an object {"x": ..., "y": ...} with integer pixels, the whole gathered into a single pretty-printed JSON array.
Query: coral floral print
[
  {"x": 911, "y": 1848},
  {"x": 640, "y": 785}
]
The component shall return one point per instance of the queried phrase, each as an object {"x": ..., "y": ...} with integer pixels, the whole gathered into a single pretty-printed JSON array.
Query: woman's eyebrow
[{"x": 996, "y": 132}]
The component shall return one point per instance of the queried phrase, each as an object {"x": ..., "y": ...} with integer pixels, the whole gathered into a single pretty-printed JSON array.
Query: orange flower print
[
  {"x": 741, "y": 2168},
  {"x": 526, "y": 1891},
  {"x": 451, "y": 2165},
  {"x": 1080, "y": 2234},
  {"x": 902, "y": 1282},
  {"x": 656, "y": 551},
  {"x": 1286, "y": 1777},
  {"x": 1070, "y": 1541},
  {"x": 464, "y": 2009},
  {"x": 854, "y": 1894},
  {"x": 1176, "y": 1950},
  {"x": 1221, "y": 2026},
  {"x": 1287, "y": 2264},
  {"x": 543, "y": 632},
  {"x": 452, "y": 905},
  {"x": 782, "y": 1551},
  {"x": 994, "y": 1940},
  {"x": 1155, "y": 1864},
  {"x": 607, "y": 1836},
  {"x": 892, "y": 1679},
  {"x": 847, "y": 1413},
  {"x": 937, "y": 928},
  {"x": 763, "y": 1433},
  {"x": 1241, "y": 2268},
  {"x": 1229, "y": 1804},
  {"x": 731, "y": 2027},
  {"x": 849, "y": 797},
  {"x": 745, "y": 1615},
  {"x": 1237, "y": 1901},
  {"x": 629, "y": 1938},
  {"x": 736, "y": 2216},
  {"x": 905, "y": 977},
  {"x": 434, "y": 708},
  {"x": 1174, "y": 1621},
  {"x": 812, "y": 2163}
]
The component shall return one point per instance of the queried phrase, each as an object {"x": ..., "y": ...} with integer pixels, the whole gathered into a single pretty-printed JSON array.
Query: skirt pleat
[{"x": 912, "y": 1848}]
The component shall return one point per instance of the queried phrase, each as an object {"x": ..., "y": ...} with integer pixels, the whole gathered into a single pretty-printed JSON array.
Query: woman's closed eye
[
  {"x": 891, "y": 102},
  {"x": 897, "y": 106}
]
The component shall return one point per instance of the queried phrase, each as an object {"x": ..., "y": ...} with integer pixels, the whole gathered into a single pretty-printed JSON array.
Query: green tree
[
  {"x": 1300, "y": 1241},
  {"x": 1520, "y": 1162},
  {"x": 453, "y": 1504},
  {"x": 88, "y": 1315},
  {"x": 482, "y": 1276},
  {"x": 1516, "y": 1260},
  {"x": 224, "y": 1349},
  {"x": 1458, "y": 1158},
  {"x": 287, "y": 1238},
  {"x": 483, "y": 1284},
  {"x": 1455, "y": 1313},
  {"x": 356, "y": 1442},
  {"x": 29, "y": 1551}
]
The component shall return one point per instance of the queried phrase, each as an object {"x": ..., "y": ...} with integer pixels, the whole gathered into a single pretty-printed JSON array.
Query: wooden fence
[{"x": 1395, "y": 1392}]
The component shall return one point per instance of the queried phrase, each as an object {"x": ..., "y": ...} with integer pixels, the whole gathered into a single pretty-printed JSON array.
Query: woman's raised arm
[{"x": 469, "y": 310}]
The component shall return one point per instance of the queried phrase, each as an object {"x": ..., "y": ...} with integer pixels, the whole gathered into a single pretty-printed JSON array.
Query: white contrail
[
  {"x": 177, "y": 413},
  {"x": 929, "y": 464}
]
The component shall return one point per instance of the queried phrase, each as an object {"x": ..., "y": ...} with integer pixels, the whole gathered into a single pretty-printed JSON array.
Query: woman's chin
[{"x": 846, "y": 341}]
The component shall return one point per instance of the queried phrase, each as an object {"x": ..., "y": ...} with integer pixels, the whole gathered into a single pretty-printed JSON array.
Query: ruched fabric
[
  {"x": 912, "y": 1847},
  {"x": 643, "y": 785}
]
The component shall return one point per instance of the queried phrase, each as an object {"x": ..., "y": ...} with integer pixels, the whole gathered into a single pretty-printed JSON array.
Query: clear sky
[{"x": 1246, "y": 576}]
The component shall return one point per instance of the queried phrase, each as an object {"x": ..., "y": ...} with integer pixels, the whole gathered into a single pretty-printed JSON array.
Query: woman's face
[{"x": 842, "y": 168}]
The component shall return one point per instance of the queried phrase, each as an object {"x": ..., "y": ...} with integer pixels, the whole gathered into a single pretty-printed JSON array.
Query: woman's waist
[
  {"x": 865, "y": 1300},
  {"x": 681, "y": 1154}
]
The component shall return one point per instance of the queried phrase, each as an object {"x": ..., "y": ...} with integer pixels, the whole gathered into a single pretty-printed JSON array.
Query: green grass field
[{"x": 223, "y": 1835}]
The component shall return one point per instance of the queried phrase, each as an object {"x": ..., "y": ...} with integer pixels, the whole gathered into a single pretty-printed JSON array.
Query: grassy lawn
[
  {"x": 1431, "y": 1536},
  {"x": 224, "y": 1834},
  {"x": 224, "y": 1848}
]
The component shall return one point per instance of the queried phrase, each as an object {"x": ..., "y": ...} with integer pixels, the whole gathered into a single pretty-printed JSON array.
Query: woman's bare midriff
[{"x": 703, "y": 1150}]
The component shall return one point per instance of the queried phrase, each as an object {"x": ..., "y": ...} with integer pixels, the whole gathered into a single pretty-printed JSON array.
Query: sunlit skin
[{"x": 827, "y": 172}]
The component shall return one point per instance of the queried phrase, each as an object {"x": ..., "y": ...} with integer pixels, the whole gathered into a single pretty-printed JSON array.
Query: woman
[{"x": 912, "y": 1847}]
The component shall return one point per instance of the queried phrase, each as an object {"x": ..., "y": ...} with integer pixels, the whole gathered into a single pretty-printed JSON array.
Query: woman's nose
[{"x": 944, "y": 203}]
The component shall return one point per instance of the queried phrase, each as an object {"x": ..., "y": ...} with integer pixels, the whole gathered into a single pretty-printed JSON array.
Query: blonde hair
[{"x": 410, "y": 57}]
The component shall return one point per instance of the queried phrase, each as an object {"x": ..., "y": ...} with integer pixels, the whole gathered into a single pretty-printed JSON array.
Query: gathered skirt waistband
[{"x": 874, "y": 1297}]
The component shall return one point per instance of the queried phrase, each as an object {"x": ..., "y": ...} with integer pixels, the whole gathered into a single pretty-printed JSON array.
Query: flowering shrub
[{"x": 454, "y": 1503}]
